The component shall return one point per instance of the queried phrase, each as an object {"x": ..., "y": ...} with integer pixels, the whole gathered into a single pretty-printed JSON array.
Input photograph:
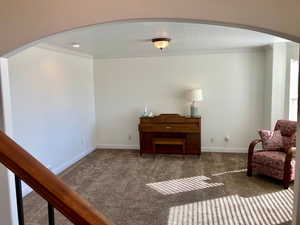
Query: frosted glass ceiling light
[{"x": 161, "y": 43}]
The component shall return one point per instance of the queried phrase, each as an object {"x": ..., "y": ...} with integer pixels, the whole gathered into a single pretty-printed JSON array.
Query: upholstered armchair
[{"x": 277, "y": 163}]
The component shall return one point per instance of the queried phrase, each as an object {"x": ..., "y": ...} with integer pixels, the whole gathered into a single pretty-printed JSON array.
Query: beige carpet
[{"x": 171, "y": 190}]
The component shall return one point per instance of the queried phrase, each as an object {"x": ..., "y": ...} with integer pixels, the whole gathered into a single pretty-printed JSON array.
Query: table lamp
[{"x": 195, "y": 96}]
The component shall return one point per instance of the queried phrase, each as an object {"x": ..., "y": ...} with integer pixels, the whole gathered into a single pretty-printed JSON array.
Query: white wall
[
  {"x": 292, "y": 53},
  {"x": 268, "y": 86},
  {"x": 232, "y": 83},
  {"x": 53, "y": 105},
  {"x": 277, "y": 81}
]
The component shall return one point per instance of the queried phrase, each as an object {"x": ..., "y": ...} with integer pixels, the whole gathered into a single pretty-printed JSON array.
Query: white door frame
[
  {"x": 296, "y": 215},
  {"x": 8, "y": 204}
]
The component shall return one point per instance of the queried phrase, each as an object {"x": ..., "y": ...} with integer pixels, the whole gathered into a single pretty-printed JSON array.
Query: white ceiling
[{"x": 134, "y": 39}]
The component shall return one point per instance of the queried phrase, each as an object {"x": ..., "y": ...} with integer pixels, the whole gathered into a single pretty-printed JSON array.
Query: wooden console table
[{"x": 170, "y": 134}]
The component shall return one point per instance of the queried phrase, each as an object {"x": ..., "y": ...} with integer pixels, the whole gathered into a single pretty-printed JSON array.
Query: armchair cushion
[
  {"x": 271, "y": 163},
  {"x": 273, "y": 159},
  {"x": 271, "y": 140}
]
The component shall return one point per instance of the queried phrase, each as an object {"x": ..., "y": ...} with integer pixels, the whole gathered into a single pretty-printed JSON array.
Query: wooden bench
[{"x": 168, "y": 141}]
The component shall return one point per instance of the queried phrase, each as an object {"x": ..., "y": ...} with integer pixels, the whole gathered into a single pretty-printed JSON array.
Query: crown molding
[
  {"x": 168, "y": 53},
  {"x": 63, "y": 50},
  {"x": 291, "y": 44},
  {"x": 191, "y": 53}
]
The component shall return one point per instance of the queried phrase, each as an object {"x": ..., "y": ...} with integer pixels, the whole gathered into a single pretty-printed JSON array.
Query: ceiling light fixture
[
  {"x": 75, "y": 45},
  {"x": 161, "y": 43}
]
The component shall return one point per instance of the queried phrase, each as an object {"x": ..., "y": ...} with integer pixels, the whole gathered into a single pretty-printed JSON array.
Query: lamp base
[{"x": 195, "y": 111}]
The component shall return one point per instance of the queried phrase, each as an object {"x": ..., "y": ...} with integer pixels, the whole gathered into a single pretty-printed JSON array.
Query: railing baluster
[
  {"x": 19, "y": 196},
  {"x": 51, "y": 214},
  {"x": 61, "y": 196}
]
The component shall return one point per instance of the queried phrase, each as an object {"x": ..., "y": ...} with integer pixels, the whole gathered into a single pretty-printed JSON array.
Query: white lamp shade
[{"x": 196, "y": 95}]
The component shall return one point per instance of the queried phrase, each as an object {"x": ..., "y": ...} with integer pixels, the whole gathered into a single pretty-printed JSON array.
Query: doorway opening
[{"x": 87, "y": 88}]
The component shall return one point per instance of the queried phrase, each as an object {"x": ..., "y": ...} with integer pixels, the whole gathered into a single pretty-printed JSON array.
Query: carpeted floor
[{"x": 171, "y": 190}]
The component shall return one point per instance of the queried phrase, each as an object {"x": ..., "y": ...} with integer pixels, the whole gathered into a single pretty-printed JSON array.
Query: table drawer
[{"x": 169, "y": 128}]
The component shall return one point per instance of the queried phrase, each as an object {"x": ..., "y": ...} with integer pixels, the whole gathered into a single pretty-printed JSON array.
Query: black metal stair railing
[
  {"x": 20, "y": 207},
  {"x": 51, "y": 188}
]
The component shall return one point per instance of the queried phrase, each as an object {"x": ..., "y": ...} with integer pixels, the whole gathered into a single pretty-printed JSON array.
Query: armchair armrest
[
  {"x": 291, "y": 152},
  {"x": 252, "y": 146},
  {"x": 250, "y": 154}
]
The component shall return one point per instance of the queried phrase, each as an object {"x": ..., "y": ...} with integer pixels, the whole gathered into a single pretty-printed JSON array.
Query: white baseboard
[
  {"x": 204, "y": 149},
  {"x": 121, "y": 147},
  {"x": 26, "y": 189},
  {"x": 225, "y": 149},
  {"x": 71, "y": 162}
]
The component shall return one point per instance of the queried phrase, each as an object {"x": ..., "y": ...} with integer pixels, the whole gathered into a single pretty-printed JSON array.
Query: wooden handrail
[{"x": 48, "y": 185}]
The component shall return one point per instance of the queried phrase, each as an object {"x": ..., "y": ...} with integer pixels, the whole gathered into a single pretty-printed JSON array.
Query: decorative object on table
[
  {"x": 195, "y": 96},
  {"x": 277, "y": 156},
  {"x": 147, "y": 113}
]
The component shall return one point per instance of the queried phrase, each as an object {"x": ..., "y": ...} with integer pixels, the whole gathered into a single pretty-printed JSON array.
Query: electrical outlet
[
  {"x": 226, "y": 138},
  {"x": 129, "y": 137},
  {"x": 212, "y": 140}
]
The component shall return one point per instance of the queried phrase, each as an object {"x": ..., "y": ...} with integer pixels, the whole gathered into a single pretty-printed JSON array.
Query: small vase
[{"x": 195, "y": 111}]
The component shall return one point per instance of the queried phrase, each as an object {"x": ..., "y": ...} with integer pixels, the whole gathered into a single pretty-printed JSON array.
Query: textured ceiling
[{"x": 134, "y": 39}]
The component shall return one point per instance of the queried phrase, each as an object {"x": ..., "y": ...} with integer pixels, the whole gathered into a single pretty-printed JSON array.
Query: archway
[{"x": 267, "y": 31}]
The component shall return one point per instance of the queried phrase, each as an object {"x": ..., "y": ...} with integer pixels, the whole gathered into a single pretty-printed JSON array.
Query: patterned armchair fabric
[
  {"x": 279, "y": 164},
  {"x": 288, "y": 131}
]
